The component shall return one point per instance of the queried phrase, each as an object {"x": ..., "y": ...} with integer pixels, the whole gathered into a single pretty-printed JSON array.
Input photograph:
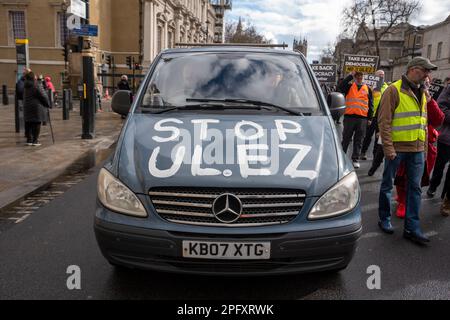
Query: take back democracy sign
[
  {"x": 373, "y": 81},
  {"x": 365, "y": 64},
  {"x": 325, "y": 73}
]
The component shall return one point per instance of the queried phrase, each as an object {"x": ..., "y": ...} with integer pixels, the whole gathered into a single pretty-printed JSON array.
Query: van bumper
[{"x": 294, "y": 252}]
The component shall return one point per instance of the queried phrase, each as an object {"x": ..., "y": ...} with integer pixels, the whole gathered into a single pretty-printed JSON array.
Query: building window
[
  {"x": 419, "y": 41},
  {"x": 429, "y": 51},
  {"x": 17, "y": 21},
  {"x": 62, "y": 31},
  {"x": 159, "y": 39},
  {"x": 439, "y": 51},
  {"x": 171, "y": 38}
]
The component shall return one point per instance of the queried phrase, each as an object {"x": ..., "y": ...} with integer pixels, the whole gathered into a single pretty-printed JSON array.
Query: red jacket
[
  {"x": 435, "y": 120},
  {"x": 48, "y": 82}
]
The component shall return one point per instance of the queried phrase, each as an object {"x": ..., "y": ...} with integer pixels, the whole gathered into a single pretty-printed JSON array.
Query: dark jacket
[
  {"x": 444, "y": 103},
  {"x": 124, "y": 85},
  {"x": 344, "y": 88},
  {"x": 20, "y": 86},
  {"x": 35, "y": 102}
]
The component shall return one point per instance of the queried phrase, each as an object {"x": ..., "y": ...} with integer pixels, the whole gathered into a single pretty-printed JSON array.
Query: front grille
[{"x": 194, "y": 205}]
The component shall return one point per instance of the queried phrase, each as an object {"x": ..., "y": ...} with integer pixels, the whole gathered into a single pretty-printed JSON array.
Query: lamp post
[{"x": 64, "y": 7}]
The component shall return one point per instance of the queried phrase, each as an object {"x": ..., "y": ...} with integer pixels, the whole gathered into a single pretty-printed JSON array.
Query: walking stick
[{"x": 51, "y": 127}]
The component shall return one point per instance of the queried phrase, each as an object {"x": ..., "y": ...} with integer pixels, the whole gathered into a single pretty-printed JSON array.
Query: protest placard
[
  {"x": 365, "y": 64},
  {"x": 436, "y": 90},
  {"x": 325, "y": 73},
  {"x": 373, "y": 81}
]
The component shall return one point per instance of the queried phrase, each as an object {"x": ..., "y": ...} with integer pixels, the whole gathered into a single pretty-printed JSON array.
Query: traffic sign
[
  {"x": 78, "y": 8},
  {"x": 86, "y": 30},
  {"x": 73, "y": 22}
]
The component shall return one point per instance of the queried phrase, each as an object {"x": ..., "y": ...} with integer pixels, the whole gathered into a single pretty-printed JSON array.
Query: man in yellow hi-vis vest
[
  {"x": 402, "y": 121},
  {"x": 377, "y": 93}
]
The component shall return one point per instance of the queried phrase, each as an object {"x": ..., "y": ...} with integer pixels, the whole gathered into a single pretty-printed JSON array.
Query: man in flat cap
[{"x": 402, "y": 121}]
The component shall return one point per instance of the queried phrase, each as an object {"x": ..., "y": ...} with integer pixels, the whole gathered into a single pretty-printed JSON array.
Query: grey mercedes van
[{"x": 229, "y": 163}]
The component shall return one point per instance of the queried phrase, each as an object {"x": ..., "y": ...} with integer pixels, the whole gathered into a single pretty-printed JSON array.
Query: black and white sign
[
  {"x": 325, "y": 73},
  {"x": 436, "y": 90},
  {"x": 365, "y": 64},
  {"x": 78, "y": 8},
  {"x": 373, "y": 81},
  {"x": 73, "y": 22},
  {"x": 226, "y": 250}
]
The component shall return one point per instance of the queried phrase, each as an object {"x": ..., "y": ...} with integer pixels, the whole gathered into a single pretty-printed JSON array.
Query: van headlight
[
  {"x": 341, "y": 198},
  {"x": 114, "y": 195}
]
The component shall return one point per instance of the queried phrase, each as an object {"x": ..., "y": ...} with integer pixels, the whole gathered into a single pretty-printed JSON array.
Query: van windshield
[{"x": 231, "y": 79}]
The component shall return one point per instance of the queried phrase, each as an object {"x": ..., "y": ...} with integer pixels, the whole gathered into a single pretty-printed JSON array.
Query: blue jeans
[{"x": 415, "y": 163}]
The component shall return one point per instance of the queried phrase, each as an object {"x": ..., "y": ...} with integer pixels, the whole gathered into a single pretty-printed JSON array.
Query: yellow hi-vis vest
[
  {"x": 410, "y": 119},
  {"x": 377, "y": 98}
]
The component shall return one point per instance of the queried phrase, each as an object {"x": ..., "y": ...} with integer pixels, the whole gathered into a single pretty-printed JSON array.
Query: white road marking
[
  {"x": 22, "y": 219},
  {"x": 431, "y": 234},
  {"x": 370, "y": 207},
  {"x": 370, "y": 235}
]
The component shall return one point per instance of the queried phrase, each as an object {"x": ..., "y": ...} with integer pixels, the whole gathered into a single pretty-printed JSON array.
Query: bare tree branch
[{"x": 383, "y": 17}]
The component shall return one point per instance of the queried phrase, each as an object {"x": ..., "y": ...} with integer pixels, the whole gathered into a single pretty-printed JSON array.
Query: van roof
[{"x": 230, "y": 48}]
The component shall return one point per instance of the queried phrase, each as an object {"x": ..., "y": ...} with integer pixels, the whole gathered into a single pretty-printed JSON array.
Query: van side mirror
[
  {"x": 336, "y": 104},
  {"x": 121, "y": 102}
]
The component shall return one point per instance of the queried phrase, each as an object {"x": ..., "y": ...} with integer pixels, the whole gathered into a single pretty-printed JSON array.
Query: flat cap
[{"x": 421, "y": 62}]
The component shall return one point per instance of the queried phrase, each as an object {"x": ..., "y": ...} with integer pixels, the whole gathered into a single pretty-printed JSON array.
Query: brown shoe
[{"x": 445, "y": 207}]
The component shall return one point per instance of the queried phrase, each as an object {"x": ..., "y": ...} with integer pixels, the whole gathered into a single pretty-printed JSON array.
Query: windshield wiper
[
  {"x": 248, "y": 101},
  {"x": 202, "y": 106}
]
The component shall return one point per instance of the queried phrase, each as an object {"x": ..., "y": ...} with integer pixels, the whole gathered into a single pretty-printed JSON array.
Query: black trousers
[
  {"x": 33, "y": 131},
  {"x": 446, "y": 190},
  {"x": 378, "y": 157},
  {"x": 354, "y": 129},
  {"x": 443, "y": 156},
  {"x": 369, "y": 134}
]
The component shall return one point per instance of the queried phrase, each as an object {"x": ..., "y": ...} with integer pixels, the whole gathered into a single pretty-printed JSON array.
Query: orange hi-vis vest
[{"x": 357, "y": 101}]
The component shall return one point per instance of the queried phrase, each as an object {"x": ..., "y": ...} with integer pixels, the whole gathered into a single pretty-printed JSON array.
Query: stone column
[
  {"x": 147, "y": 32},
  {"x": 176, "y": 18},
  {"x": 154, "y": 31},
  {"x": 166, "y": 35}
]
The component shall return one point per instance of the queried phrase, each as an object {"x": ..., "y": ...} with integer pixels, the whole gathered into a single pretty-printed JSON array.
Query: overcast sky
[{"x": 317, "y": 20}]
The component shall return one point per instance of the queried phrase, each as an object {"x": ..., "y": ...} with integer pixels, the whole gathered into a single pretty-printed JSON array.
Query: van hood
[{"x": 236, "y": 151}]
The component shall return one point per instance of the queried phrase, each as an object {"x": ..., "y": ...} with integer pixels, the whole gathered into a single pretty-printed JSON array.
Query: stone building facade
[
  {"x": 137, "y": 28},
  {"x": 436, "y": 47},
  {"x": 301, "y": 45},
  {"x": 412, "y": 47}
]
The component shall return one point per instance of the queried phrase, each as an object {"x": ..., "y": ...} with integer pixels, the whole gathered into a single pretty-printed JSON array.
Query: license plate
[{"x": 226, "y": 250}]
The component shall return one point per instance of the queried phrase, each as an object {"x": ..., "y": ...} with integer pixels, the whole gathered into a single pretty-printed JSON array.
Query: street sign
[
  {"x": 365, "y": 64},
  {"x": 22, "y": 52},
  {"x": 78, "y": 8},
  {"x": 86, "y": 30},
  {"x": 375, "y": 82},
  {"x": 73, "y": 22},
  {"x": 325, "y": 73}
]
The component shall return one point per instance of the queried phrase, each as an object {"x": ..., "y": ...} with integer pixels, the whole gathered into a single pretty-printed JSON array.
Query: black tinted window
[{"x": 271, "y": 78}]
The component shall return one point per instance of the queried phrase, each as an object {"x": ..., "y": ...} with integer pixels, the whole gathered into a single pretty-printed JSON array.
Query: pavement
[
  {"x": 25, "y": 170},
  {"x": 41, "y": 248}
]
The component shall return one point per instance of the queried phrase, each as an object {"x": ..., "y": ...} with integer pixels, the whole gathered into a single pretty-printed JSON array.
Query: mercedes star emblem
[{"x": 227, "y": 208}]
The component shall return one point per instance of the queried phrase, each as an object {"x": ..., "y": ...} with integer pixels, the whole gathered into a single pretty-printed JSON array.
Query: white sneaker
[
  {"x": 356, "y": 165},
  {"x": 37, "y": 144}
]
